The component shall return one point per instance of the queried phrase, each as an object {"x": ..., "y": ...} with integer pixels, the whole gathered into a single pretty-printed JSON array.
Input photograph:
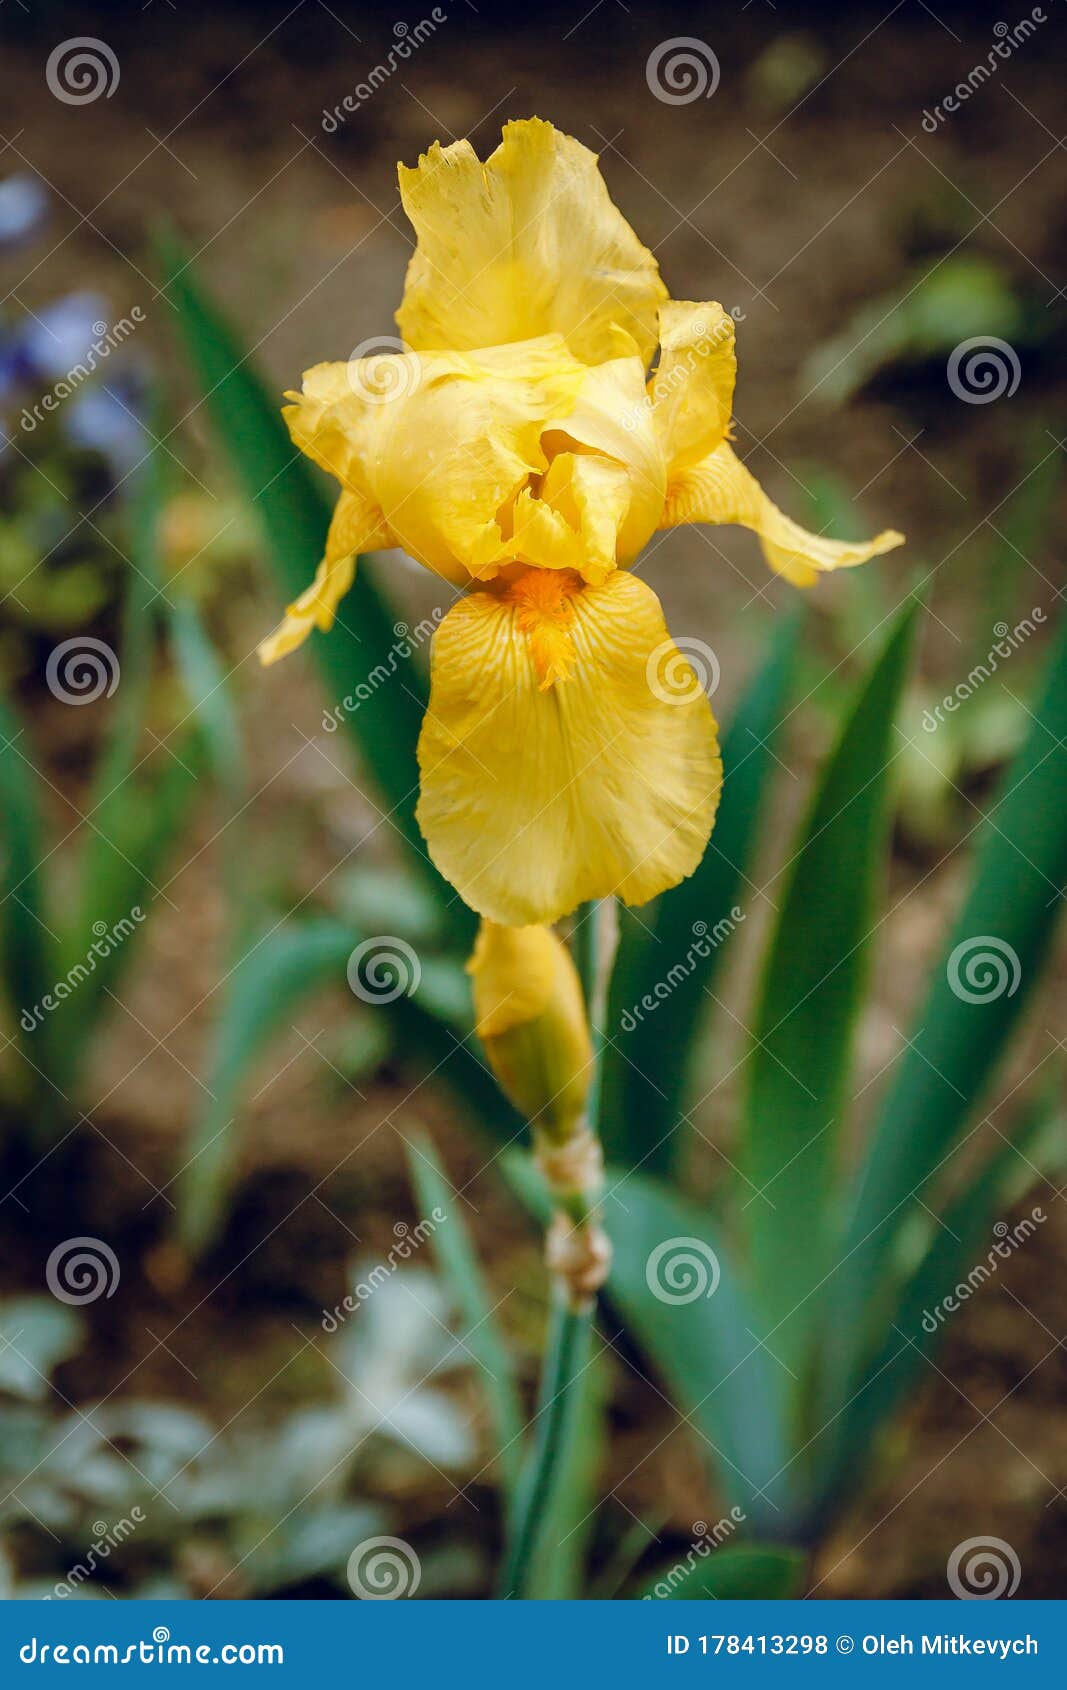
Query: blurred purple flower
[
  {"x": 23, "y": 207},
  {"x": 58, "y": 337},
  {"x": 106, "y": 419}
]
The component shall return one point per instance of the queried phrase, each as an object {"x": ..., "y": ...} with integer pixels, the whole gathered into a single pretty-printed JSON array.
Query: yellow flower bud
[{"x": 530, "y": 1017}]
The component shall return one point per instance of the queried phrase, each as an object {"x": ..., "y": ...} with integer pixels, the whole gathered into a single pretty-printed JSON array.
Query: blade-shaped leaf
[
  {"x": 809, "y": 996},
  {"x": 677, "y": 1290},
  {"x": 662, "y": 985},
  {"x": 965, "y": 1250},
  {"x": 274, "y": 976},
  {"x": 992, "y": 961},
  {"x": 730, "y": 1573},
  {"x": 28, "y": 954},
  {"x": 295, "y": 513},
  {"x": 462, "y": 1271}
]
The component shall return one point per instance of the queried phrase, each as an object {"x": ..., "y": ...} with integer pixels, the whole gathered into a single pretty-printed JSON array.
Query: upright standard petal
[
  {"x": 720, "y": 489},
  {"x": 526, "y": 244},
  {"x": 441, "y": 443},
  {"x": 692, "y": 390},
  {"x": 557, "y": 762},
  {"x": 356, "y": 526}
]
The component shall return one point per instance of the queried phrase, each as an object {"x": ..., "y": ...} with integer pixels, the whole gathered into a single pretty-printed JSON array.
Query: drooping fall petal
[
  {"x": 692, "y": 390},
  {"x": 720, "y": 489},
  {"x": 356, "y": 527},
  {"x": 556, "y": 765}
]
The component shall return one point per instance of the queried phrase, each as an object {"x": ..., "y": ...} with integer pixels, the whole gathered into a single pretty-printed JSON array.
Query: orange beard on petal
[{"x": 544, "y": 611}]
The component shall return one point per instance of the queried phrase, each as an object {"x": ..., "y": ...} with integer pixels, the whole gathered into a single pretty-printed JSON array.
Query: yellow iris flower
[{"x": 520, "y": 449}]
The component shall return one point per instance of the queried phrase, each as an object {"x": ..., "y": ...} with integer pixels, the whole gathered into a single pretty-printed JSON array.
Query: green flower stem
[
  {"x": 569, "y": 1341},
  {"x": 565, "y": 1366}
]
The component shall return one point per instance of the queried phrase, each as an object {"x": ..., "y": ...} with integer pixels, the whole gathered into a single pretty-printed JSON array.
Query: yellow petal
[
  {"x": 447, "y": 448},
  {"x": 523, "y": 245},
  {"x": 355, "y": 527},
  {"x": 692, "y": 390},
  {"x": 721, "y": 489},
  {"x": 530, "y": 1016},
  {"x": 606, "y": 782},
  {"x": 612, "y": 417}
]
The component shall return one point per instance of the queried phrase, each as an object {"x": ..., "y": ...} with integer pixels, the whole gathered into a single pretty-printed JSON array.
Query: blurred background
[{"x": 189, "y": 1408}]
